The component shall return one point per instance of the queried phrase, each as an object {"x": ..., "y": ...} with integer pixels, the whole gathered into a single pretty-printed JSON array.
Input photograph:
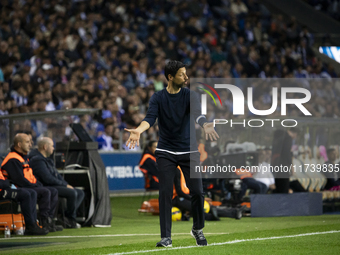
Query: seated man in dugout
[
  {"x": 28, "y": 200},
  {"x": 149, "y": 167},
  {"x": 15, "y": 167},
  {"x": 43, "y": 168}
]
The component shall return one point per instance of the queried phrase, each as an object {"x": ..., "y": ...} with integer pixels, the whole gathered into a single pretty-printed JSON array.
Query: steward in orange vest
[
  {"x": 149, "y": 166},
  {"x": 16, "y": 168},
  {"x": 4, "y": 184},
  {"x": 28, "y": 201}
]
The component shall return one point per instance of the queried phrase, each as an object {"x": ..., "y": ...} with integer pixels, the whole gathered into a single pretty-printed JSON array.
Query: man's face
[
  {"x": 49, "y": 148},
  {"x": 109, "y": 130},
  {"x": 180, "y": 78},
  {"x": 25, "y": 144}
]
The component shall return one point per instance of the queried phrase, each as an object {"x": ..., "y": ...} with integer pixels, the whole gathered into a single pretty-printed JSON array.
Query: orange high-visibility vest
[
  {"x": 243, "y": 173},
  {"x": 184, "y": 187},
  {"x": 1, "y": 177},
  {"x": 145, "y": 172},
  {"x": 27, "y": 170}
]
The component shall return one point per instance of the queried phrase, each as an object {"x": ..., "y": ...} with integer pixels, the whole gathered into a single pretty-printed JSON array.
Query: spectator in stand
[
  {"x": 238, "y": 7},
  {"x": 43, "y": 168},
  {"x": 104, "y": 138},
  {"x": 252, "y": 67}
]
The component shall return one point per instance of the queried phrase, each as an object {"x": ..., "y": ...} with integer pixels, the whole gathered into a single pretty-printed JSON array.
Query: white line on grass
[
  {"x": 117, "y": 235},
  {"x": 229, "y": 242}
]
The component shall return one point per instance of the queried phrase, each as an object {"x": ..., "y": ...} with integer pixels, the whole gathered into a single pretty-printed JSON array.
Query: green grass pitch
[{"x": 134, "y": 233}]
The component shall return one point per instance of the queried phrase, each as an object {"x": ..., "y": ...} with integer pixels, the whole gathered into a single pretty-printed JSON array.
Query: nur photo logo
[{"x": 288, "y": 96}]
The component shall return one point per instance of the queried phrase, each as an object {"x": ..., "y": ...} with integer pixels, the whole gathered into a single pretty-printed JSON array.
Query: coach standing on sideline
[{"x": 172, "y": 108}]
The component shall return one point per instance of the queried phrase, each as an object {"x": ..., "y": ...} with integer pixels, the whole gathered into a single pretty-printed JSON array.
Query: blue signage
[
  {"x": 331, "y": 51},
  {"x": 122, "y": 171}
]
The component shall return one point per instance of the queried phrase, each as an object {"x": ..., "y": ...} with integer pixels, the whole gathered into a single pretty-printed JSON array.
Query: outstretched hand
[
  {"x": 210, "y": 132},
  {"x": 133, "y": 138}
]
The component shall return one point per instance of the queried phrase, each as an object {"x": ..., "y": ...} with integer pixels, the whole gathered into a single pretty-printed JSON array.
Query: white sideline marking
[
  {"x": 117, "y": 235},
  {"x": 229, "y": 242}
]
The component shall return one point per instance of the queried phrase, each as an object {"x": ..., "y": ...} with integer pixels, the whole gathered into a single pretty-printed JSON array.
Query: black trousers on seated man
[
  {"x": 167, "y": 164},
  {"x": 250, "y": 183},
  {"x": 47, "y": 199},
  {"x": 74, "y": 198},
  {"x": 282, "y": 185},
  {"x": 27, "y": 199}
]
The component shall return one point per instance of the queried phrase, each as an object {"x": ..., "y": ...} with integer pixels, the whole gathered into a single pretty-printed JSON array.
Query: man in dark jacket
[
  {"x": 43, "y": 168},
  {"x": 15, "y": 167}
]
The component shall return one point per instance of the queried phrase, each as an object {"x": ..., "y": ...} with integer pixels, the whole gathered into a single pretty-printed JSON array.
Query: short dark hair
[
  {"x": 149, "y": 145},
  {"x": 172, "y": 67},
  {"x": 110, "y": 123}
]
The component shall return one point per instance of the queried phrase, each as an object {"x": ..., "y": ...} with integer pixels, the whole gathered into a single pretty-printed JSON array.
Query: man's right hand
[
  {"x": 69, "y": 186},
  {"x": 210, "y": 132},
  {"x": 133, "y": 139}
]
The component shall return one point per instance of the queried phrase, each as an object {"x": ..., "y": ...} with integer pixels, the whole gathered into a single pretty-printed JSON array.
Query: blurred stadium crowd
[
  {"x": 330, "y": 7},
  {"x": 59, "y": 54}
]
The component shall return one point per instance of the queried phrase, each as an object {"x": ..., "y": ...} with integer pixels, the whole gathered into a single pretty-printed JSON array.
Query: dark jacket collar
[{"x": 35, "y": 153}]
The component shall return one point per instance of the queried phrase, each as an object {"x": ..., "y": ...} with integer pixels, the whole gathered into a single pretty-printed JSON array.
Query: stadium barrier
[
  {"x": 122, "y": 171},
  {"x": 277, "y": 205}
]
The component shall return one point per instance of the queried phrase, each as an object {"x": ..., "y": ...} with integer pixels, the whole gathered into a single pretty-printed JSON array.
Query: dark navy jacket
[
  {"x": 14, "y": 169},
  {"x": 44, "y": 170},
  {"x": 176, "y": 114}
]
